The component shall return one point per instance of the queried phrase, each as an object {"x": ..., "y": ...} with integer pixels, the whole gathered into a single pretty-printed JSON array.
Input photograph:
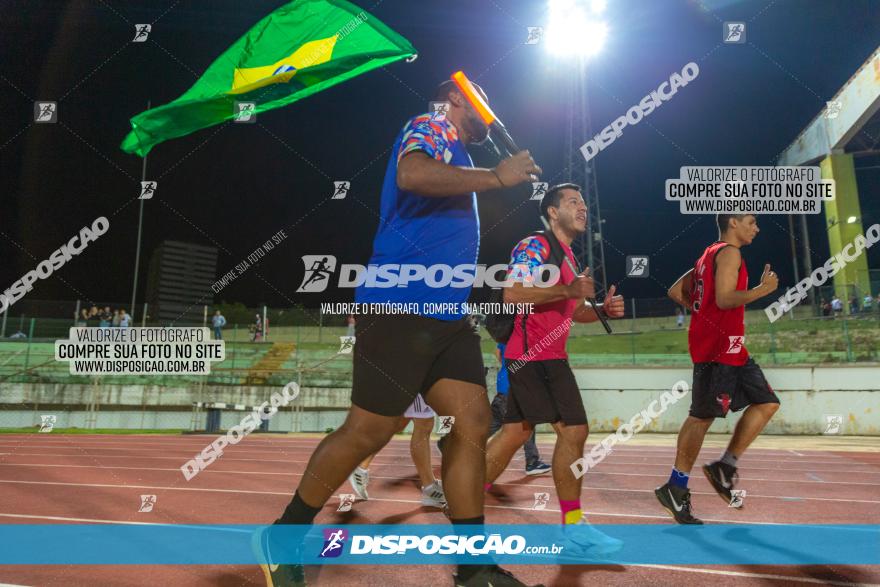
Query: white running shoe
[
  {"x": 583, "y": 540},
  {"x": 432, "y": 495},
  {"x": 359, "y": 480}
]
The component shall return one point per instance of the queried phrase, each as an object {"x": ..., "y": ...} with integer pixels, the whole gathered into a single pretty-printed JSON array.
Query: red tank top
[{"x": 716, "y": 335}]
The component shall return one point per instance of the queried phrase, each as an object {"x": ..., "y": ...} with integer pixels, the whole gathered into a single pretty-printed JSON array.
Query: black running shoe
[
  {"x": 677, "y": 501},
  {"x": 277, "y": 575},
  {"x": 723, "y": 479},
  {"x": 491, "y": 576}
]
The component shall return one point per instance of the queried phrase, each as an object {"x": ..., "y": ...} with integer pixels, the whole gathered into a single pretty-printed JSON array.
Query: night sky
[{"x": 234, "y": 186}]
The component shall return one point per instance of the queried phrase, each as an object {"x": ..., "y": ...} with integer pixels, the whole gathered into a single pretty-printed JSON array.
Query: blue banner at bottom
[{"x": 410, "y": 544}]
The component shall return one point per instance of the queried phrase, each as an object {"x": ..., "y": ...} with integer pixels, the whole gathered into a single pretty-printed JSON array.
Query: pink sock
[
  {"x": 568, "y": 505},
  {"x": 487, "y": 486}
]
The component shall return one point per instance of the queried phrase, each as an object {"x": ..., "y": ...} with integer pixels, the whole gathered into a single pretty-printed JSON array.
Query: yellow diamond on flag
[
  {"x": 310, "y": 54},
  {"x": 326, "y": 42}
]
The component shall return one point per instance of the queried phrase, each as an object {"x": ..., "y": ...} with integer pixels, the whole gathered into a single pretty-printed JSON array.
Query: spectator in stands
[
  {"x": 679, "y": 317},
  {"x": 124, "y": 319},
  {"x": 257, "y": 329},
  {"x": 351, "y": 324},
  {"x": 116, "y": 318},
  {"x": 867, "y": 303},
  {"x": 826, "y": 308},
  {"x": 836, "y": 306},
  {"x": 218, "y": 322},
  {"x": 854, "y": 305},
  {"x": 89, "y": 315},
  {"x": 106, "y": 317}
]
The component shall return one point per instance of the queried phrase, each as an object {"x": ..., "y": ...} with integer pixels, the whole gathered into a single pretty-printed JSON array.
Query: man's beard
[
  {"x": 479, "y": 132},
  {"x": 575, "y": 228}
]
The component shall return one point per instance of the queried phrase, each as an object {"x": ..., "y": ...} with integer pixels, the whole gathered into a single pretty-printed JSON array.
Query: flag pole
[{"x": 137, "y": 254}]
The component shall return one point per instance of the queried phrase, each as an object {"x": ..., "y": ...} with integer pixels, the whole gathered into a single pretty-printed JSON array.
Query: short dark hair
[
  {"x": 443, "y": 90},
  {"x": 553, "y": 195},
  {"x": 723, "y": 220}
]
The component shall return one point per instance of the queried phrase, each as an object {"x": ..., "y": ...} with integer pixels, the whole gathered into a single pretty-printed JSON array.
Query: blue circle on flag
[{"x": 284, "y": 69}]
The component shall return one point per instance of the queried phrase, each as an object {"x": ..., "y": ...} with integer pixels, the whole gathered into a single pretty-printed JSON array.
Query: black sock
[
  {"x": 465, "y": 572},
  {"x": 298, "y": 512},
  {"x": 479, "y": 520}
]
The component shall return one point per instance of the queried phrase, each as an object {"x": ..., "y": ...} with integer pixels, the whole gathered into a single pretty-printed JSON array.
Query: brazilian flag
[{"x": 299, "y": 49}]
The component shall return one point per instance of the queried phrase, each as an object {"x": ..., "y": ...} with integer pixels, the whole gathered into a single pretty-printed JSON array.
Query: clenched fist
[
  {"x": 517, "y": 169},
  {"x": 582, "y": 286}
]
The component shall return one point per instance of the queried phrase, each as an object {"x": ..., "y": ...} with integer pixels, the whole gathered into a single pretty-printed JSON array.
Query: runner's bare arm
[
  {"x": 523, "y": 294},
  {"x": 421, "y": 174},
  {"x": 680, "y": 292},
  {"x": 580, "y": 288},
  {"x": 727, "y": 262}
]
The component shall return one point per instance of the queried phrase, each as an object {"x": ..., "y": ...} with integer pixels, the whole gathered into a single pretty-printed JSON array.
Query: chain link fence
[{"x": 304, "y": 346}]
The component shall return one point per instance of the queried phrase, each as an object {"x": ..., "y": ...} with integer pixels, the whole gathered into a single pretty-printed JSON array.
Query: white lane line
[
  {"x": 211, "y": 527},
  {"x": 410, "y": 501},
  {"x": 102, "y": 521},
  {"x": 634, "y": 453},
  {"x": 760, "y": 576},
  {"x": 272, "y": 443},
  {"x": 590, "y": 513},
  {"x": 316, "y": 437},
  {"x": 398, "y": 478},
  {"x": 394, "y": 463},
  {"x": 607, "y": 462},
  {"x": 85, "y": 520}
]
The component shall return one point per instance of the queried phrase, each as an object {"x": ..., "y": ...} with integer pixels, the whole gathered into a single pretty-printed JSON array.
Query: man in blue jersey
[{"x": 428, "y": 219}]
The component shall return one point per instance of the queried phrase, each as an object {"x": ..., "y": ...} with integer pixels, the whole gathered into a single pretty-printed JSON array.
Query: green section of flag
[{"x": 299, "y": 49}]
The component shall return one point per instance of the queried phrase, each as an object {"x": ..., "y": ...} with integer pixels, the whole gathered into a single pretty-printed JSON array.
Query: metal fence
[
  {"x": 36, "y": 390},
  {"x": 316, "y": 352}
]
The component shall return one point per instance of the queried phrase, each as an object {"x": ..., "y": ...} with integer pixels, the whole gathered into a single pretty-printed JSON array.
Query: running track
[{"x": 55, "y": 478}]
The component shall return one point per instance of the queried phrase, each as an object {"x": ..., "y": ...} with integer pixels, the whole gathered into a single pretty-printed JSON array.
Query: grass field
[{"x": 644, "y": 341}]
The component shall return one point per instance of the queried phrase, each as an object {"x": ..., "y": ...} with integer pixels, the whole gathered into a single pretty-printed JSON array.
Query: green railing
[{"x": 314, "y": 358}]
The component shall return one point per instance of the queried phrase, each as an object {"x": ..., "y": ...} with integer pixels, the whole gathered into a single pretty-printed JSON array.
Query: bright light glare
[
  {"x": 851, "y": 220},
  {"x": 574, "y": 29}
]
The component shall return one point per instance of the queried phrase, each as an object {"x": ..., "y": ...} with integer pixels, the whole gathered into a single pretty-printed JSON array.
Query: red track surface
[{"x": 77, "y": 479}]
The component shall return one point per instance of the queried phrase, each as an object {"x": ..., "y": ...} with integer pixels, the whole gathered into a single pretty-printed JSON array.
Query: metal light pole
[
  {"x": 137, "y": 255},
  {"x": 591, "y": 248}
]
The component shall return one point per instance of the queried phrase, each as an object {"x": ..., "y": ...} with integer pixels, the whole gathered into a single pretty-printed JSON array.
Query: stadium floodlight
[{"x": 575, "y": 28}]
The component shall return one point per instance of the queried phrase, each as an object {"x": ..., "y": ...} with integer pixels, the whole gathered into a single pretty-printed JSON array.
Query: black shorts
[
  {"x": 397, "y": 357},
  {"x": 544, "y": 392},
  {"x": 719, "y": 388}
]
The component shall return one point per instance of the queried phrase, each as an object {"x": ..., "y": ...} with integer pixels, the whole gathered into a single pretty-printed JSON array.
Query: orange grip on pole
[{"x": 467, "y": 89}]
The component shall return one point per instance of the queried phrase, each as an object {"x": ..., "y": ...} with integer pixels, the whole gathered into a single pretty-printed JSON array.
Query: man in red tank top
[{"x": 725, "y": 377}]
